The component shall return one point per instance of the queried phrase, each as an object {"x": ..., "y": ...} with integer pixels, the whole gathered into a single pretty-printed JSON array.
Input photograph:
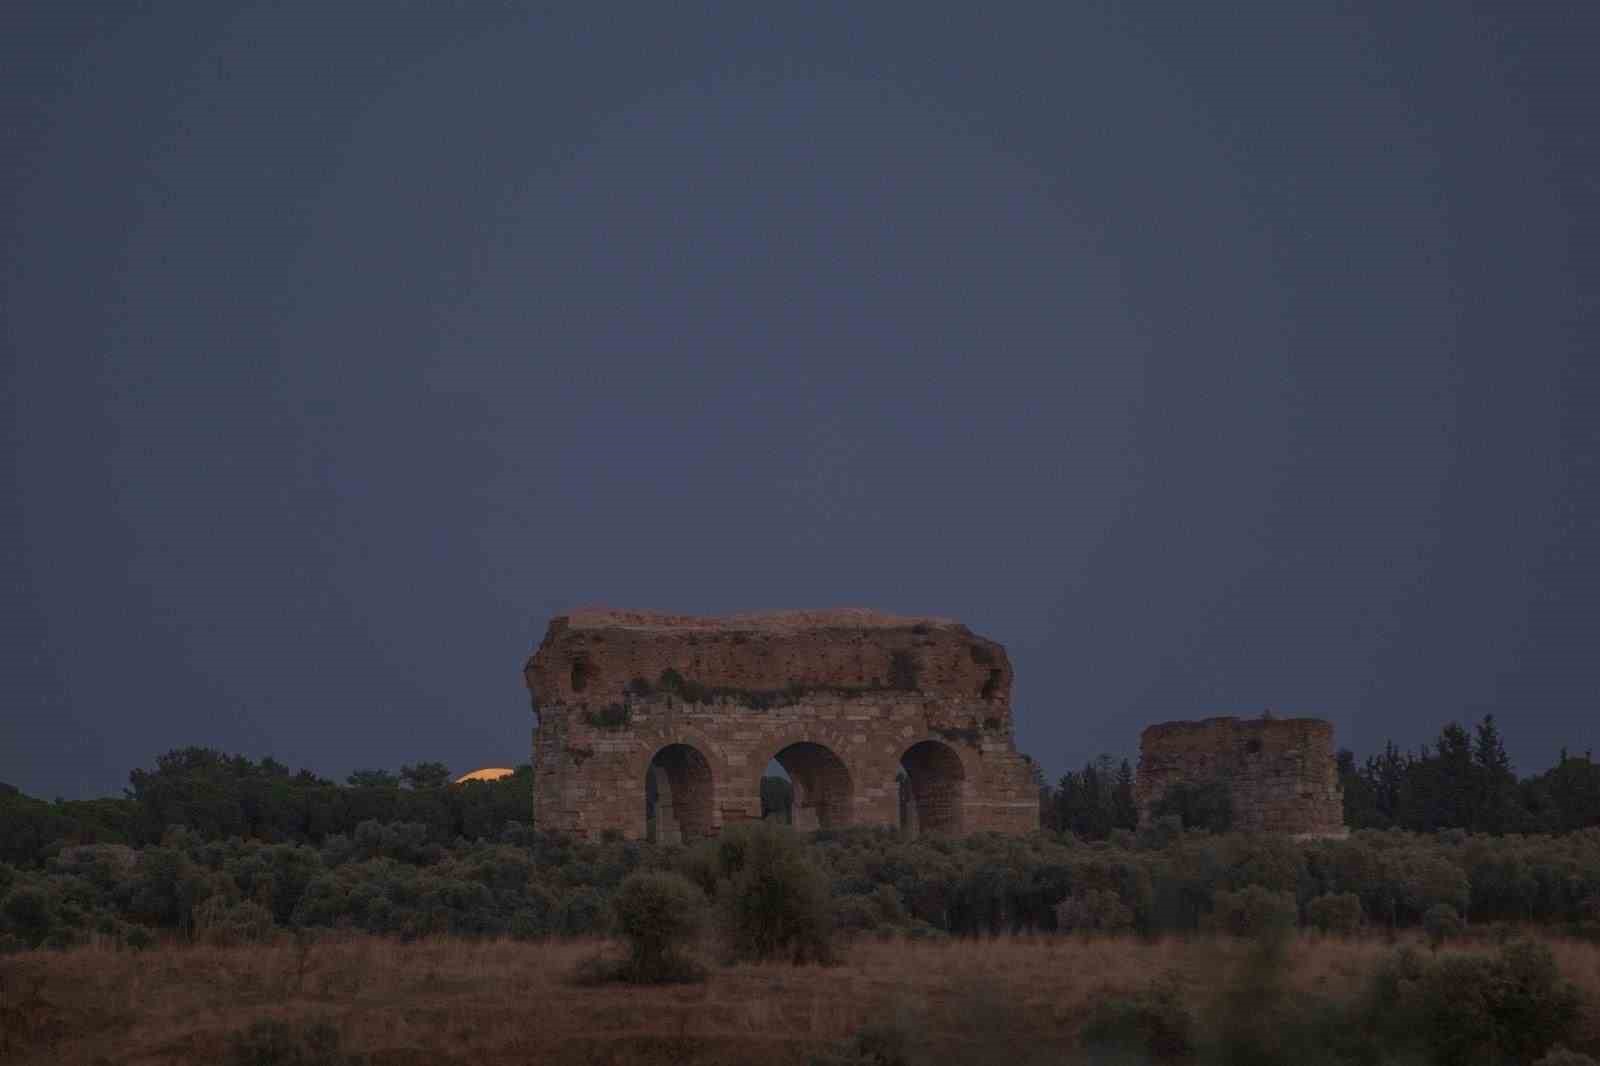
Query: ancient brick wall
[
  {"x": 842, "y": 699},
  {"x": 1280, "y": 772}
]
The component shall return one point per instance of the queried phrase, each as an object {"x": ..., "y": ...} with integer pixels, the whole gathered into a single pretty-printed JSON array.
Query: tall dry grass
[{"x": 488, "y": 1002}]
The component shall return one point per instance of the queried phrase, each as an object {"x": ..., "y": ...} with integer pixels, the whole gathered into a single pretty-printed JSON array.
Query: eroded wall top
[{"x": 592, "y": 657}]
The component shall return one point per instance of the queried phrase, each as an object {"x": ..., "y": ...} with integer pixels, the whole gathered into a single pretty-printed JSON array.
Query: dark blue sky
[{"x": 1211, "y": 361}]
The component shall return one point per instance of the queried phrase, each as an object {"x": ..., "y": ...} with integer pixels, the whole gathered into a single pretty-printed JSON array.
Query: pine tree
[
  {"x": 1126, "y": 811},
  {"x": 1496, "y": 785}
]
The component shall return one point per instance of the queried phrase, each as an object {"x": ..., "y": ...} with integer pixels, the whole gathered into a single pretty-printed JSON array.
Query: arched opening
[
  {"x": 931, "y": 779},
  {"x": 819, "y": 787},
  {"x": 677, "y": 795},
  {"x": 777, "y": 794}
]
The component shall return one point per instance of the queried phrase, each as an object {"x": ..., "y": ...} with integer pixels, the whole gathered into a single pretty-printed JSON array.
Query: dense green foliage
[
  {"x": 1091, "y": 802},
  {"x": 658, "y": 914},
  {"x": 217, "y": 796},
  {"x": 1464, "y": 780},
  {"x": 229, "y": 850},
  {"x": 393, "y": 878},
  {"x": 1511, "y": 1006},
  {"x": 774, "y": 900}
]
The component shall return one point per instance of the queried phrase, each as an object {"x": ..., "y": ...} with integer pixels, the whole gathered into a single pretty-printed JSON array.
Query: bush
[
  {"x": 659, "y": 914},
  {"x": 1207, "y": 806},
  {"x": 272, "y": 1042},
  {"x": 1471, "y": 1009},
  {"x": 1339, "y": 913},
  {"x": 29, "y": 912},
  {"x": 1254, "y": 912},
  {"x": 775, "y": 904},
  {"x": 1441, "y": 923},
  {"x": 1093, "y": 911},
  {"x": 611, "y": 716},
  {"x": 583, "y": 913},
  {"x": 881, "y": 1043},
  {"x": 224, "y": 924},
  {"x": 1252, "y": 1017},
  {"x": 856, "y": 914},
  {"x": 1562, "y": 1057},
  {"x": 1154, "y": 1022}
]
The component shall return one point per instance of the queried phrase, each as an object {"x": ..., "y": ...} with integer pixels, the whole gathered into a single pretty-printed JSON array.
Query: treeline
[
  {"x": 392, "y": 879},
  {"x": 217, "y": 796},
  {"x": 1464, "y": 780},
  {"x": 221, "y": 847}
]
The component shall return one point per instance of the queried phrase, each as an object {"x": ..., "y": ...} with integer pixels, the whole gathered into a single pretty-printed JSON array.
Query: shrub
[
  {"x": 1252, "y": 1016},
  {"x": 1207, "y": 806},
  {"x": 855, "y": 914},
  {"x": 1339, "y": 913},
  {"x": 1153, "y": 1022},
  {"x": 775, "y": 904},
  {"x": 611, "y": 716},
  {"x": 583, "y": 913},
  {"x": 889, "y": 1042},
  {"x": 1093, "y": 910},
  {"x": 273, "y": 1042},
  {"x": 1441, "y": 923},
  {"x": 224, "y": 924},
  {"x": 1562, "y": 1057},
  {"x": 1472, "y": 1009},
  {"x": 29, "y": 912},
  {"x": 1254, "y": 912},
  {"x": 659, "y": 914}
]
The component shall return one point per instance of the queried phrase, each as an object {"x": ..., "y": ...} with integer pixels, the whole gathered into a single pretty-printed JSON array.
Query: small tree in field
[
  {"x": 1339, "y": 913},
  {"x": 659, "y": 914},
  {"x": 775, "y": 903},
  {"x": 1442, "y": 924}
]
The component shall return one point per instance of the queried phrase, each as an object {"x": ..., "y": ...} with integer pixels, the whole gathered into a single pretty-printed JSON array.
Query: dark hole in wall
[
  {"x": 991, "y": 686},
  {"x": 903, "y": 671},
  {"x": 1252, "y": 746},
  {"x": 582, "y": 672}
]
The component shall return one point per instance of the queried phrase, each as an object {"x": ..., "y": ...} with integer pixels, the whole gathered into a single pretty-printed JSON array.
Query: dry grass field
[{"x": 453, "y": 1001}]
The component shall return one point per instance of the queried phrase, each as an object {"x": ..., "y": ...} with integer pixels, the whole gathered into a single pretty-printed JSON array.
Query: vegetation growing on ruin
[
  {"x": 611, "y": 716},
  {"x": 674, "y": 685}
]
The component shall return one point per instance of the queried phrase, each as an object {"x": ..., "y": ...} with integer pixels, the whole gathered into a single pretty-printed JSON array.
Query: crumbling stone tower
[
  {"x": 680, "y": 716},
  {"x": 1280, "y": 772}
]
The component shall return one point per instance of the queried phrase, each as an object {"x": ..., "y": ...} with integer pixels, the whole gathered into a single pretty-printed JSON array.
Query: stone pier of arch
[{"x": 692, "y": 710}]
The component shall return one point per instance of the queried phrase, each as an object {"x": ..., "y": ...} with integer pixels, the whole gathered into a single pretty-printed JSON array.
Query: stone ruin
[
  {"x": 1280, "y": 772},
  {"x": 662, "y": 726}
]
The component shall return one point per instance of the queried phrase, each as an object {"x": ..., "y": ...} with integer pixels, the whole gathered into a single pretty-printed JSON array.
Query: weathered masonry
[
  {"x": 1280, "y": 772},
  {"x": 661, "y": 726}
]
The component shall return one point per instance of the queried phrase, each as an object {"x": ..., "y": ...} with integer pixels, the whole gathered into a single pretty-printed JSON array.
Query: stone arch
[
  {"x": 932, "y": 801},
  {"x": 679, "y": 794},
  {"x": 824, "y": 793}
]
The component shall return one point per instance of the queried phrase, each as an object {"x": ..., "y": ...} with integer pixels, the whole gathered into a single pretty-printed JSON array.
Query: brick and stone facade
[
  {"x": 844, "y": 700},
  {"x": 1280, "y": 771}
]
